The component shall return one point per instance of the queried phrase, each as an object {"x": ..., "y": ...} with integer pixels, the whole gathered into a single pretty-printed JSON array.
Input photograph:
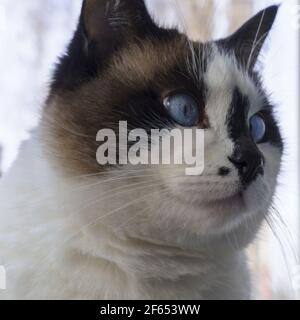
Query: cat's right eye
[
  {"x": 183, "y": 108},
  {"x": 257, "y": 128}
]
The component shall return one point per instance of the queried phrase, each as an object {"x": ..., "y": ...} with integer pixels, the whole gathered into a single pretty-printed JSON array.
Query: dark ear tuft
[
  {"x": 104, "y": 27},
  {"x": 247, "y": 42},
  {"x": 106, "y": 23}
]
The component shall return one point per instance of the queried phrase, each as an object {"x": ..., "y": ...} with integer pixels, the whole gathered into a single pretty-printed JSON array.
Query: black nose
[{"x": 248, "y": 160}]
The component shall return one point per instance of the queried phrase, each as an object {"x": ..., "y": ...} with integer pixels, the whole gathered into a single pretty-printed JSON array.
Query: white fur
[{"x": 154, "y": 234}]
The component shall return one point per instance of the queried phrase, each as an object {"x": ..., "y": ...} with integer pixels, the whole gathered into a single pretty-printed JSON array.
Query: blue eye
[
  {"x": 183, "y": 108},
  {"x": 257, "y": 128}
]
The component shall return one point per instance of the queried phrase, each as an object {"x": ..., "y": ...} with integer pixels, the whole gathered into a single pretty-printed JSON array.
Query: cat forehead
[
  {"x": 143, "y": 61},
  {"x": 219, "y": 71},
  {"x": 224, "y": 76}
]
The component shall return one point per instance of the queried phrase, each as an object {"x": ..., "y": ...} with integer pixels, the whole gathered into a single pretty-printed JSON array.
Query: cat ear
[
  {"x": 106, "y": 23},
  {"x": 247, "y": 42}
]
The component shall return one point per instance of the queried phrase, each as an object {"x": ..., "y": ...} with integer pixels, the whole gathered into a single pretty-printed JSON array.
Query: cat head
[{"x": 121, "y": 66}]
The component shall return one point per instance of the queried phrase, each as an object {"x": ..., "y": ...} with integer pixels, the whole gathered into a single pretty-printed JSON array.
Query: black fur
[
  {"x": 85, "y": 58},
  {"x": 247, "y": 42}
]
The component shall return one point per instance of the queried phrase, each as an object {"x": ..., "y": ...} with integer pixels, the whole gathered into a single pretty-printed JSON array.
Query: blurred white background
[{"x": 34, "y": 32}]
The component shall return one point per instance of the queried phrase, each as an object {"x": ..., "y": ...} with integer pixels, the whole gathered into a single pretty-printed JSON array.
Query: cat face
[{"x": 121, "y": 66}]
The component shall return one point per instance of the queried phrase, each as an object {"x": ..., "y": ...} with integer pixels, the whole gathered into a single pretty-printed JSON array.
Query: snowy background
[{"x": 34, "y": 32}]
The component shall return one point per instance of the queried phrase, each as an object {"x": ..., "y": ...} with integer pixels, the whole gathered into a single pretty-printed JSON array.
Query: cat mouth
[
  {"x": 232, "y": 195},
  {"x": 238, "y": 196},
  {"x": 233, "y": 201}
]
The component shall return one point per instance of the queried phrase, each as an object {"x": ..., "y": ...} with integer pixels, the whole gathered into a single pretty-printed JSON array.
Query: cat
[{"x": 143, "y": 231}]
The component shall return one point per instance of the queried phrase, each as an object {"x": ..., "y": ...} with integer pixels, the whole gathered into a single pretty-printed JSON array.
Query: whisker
[
  {"x": 255, "y": 40},
  {"x": 269, "y": 223},
  {"x": 90, "y": 224},
  {"x": 139, "y": 213},
  {"x": 124, "y": 174}
]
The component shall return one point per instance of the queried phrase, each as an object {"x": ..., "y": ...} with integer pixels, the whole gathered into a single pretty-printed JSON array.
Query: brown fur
[{"x": 72, "y": 118}]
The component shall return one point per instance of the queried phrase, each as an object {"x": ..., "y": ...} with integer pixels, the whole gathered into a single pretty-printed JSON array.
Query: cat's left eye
[
  {"x": 257, "y": 128},
  {"x": 183, "y": 108}
]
